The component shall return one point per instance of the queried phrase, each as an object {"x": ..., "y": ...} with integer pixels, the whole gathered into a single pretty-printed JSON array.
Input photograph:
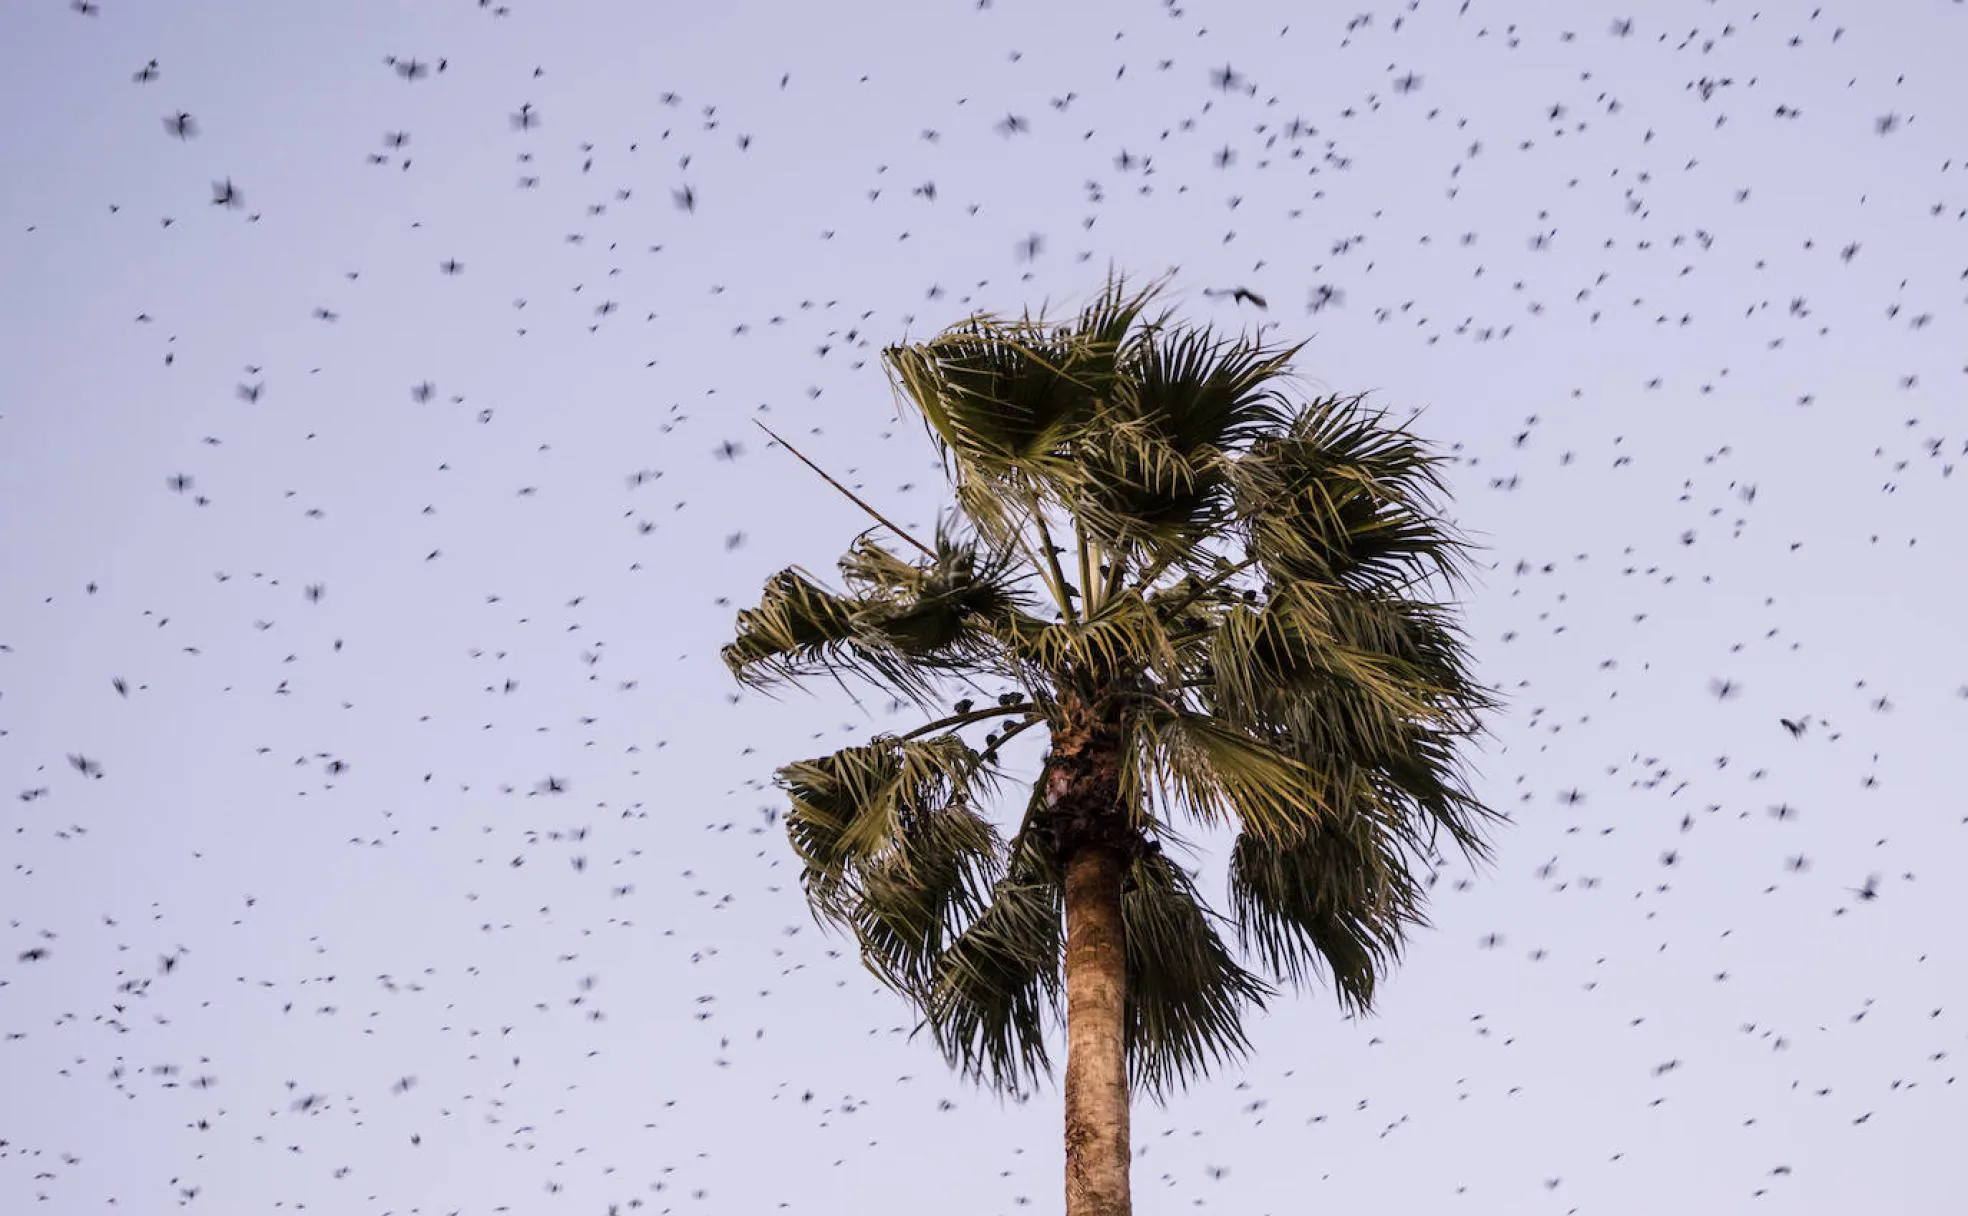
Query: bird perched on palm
[{"x": 1208, "y": 595}]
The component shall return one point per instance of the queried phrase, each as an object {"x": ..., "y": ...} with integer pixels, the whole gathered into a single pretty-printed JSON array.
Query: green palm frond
[
  {"x": 1187, "y": 610},
  {"x": 1186, "y": 993},
  {"x": 1137, "y": 488},
  {"x": 796, "y": 627},
  {"x": 1344, "y": 496},
  {"x": 1203, "y": 393},
  {"x": 1355, "y": 682},
  {"x": 914, "y": 898},
  {"x": 1155, "y": 465},
  {"x": 1428, "y": 781},
  {"x": 862, "y": 811},
  {"x": 894, "y": 848},
  {"x": 992, "y": 996},
  {"x": 935, "y": 611},
  {"x": 1220, "y": 774},
  {"x": 1285, "y": 668},
  {"x": 1007, "y": 401},
  {"x": 904, "y": 622},
  {"x": 997, "y": 392},
  {"x": 1125, "y": 636},
  {"x": 1340, "y": 900}
]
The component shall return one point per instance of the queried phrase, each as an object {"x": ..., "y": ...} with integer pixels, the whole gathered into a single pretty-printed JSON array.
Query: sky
[{"x": 383, "y": 835}]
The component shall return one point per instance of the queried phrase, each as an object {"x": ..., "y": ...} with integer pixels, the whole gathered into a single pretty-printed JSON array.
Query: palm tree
[{"x": 1206, "y": 595}]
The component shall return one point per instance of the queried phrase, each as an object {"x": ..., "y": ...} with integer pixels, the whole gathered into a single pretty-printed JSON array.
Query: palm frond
[
  {"x": 1203, "y": 393},
  {"x": 1219, "y": 773},
  {"x": 992, "y": 996},
  {"x": 1123, "y": 637},
  {"x": 1006, "y": 400},
  {"x": 1428, "y": 782},
  {"x": 850, "y": 807},
  {"x": 1186, "y": 993},
  {"x": 904, "y": 623},
  {"x": 1342, "y": 496},
  {"x": 1285, "y": 669},
  {"x": 1155, "y": 464},
  {"x": 931, "y": 609},
  {"x": 1376, "y": 685},
  {"x": 913, "y": 898},
  {"x": 1340, "y": 900},
  {"x": 893, "y": 847},
  {"x": 997, "y": 392},
  {"x": 797, "y": 625},
  {"x": 1135, "y": 488}
]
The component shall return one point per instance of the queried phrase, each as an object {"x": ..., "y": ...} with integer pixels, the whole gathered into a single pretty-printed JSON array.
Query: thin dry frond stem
[{"x": 852, "y": 497}]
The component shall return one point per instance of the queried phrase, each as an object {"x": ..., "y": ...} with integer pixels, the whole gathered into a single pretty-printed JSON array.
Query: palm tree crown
[{"x": 1208, "y": 594}]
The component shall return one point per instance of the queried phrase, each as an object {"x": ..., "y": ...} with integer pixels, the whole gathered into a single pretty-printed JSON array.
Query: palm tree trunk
[{"x": 1097, "y": 1153}]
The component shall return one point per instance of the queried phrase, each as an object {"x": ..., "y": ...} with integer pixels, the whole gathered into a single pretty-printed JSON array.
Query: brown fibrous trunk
[
  {"x": 1082, "y": 788},
  {"x": 1097, "y": 1152}
]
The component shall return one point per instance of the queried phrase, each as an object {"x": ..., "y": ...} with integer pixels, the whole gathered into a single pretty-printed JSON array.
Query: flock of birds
[{"x": 384, "y": 836}]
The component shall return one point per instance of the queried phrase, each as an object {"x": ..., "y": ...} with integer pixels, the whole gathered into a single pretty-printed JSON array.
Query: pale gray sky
[{"x": 1687, "y": 301}]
